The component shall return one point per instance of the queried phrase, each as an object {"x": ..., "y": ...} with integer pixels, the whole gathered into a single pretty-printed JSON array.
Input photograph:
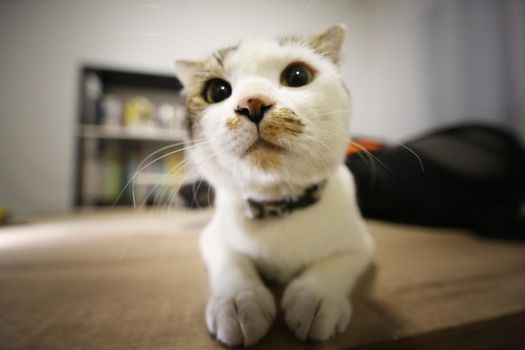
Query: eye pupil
[
  {"x": 296, "y": 75},
  {"x": 217, "y": 90}
]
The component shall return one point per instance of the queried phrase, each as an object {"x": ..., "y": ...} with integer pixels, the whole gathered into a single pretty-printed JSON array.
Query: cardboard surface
[{"x": 136, "y": 281}]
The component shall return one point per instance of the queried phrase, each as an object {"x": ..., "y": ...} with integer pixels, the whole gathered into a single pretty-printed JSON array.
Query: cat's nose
[{"x": 254, "y": 107}]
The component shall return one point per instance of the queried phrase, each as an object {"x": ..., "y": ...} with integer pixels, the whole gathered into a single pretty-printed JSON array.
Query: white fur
[
  {"x": 319, "y": 251},
  {"x": 255, "y": 68}
]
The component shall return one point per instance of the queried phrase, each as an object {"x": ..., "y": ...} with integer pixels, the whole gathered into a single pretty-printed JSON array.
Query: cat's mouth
[{"x": 264, "y": 145}]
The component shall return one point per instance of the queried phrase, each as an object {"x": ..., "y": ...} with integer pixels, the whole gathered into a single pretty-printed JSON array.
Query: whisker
[
  {"x": 175, "y": 190},
  {"x": 195, "y": 191},
  {"x": 152, "y": 162},
  {"x": 371, "y": 155},
  {"x": 367, "y": 156},
  {"x": 414, "y": 153},
  {"x": 188, "y": 161},
  {"x": 320, "y": 142},
  {"x": 123, "y": 249},
  {"x": 332, "y": 134},
  {"x": 163, "y": 183},
  {"x": 305, "y": 12},
  {"x": 209, "y": 190},
  {"x": 319, "y": 156},
  {"x": 333, "y": 112},
  {"x": 177, "y": 144},
  {"x": 143, "y": 166}
]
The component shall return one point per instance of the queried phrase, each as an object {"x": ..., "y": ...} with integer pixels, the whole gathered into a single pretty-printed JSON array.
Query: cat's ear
[
  {"x": 184, "y": 69},
  {"x": 329, "y": 43}
]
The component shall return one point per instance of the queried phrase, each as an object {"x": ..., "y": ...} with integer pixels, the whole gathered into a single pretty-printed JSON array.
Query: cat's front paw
[
  {"x": 313, "y": 314},
  {"x": 240, "y": 317}
]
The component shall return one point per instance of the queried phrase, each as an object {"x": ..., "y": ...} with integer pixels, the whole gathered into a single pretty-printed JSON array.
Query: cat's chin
[{"x": 263, "y": 145}]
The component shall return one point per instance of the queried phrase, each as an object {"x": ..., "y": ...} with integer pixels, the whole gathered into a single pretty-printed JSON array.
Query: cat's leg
[
  {"x": 316, "y": 303},
  {"x": 240, "y": 309}
]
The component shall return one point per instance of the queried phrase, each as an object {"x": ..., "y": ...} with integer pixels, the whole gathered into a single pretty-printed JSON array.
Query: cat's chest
[{"x": 282, "y": 247}]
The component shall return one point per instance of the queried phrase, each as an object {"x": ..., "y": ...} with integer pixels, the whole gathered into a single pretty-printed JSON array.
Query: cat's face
[{"x": 268, "y": 114}]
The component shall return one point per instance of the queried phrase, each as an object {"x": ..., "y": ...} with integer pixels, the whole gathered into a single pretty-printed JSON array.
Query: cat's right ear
[
  {"x": 184, "y": 69},
  {"x": 329, "y": 43}
]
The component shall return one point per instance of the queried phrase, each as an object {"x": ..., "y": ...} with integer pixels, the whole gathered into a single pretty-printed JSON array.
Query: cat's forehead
[{"x": 257, "y": 56}]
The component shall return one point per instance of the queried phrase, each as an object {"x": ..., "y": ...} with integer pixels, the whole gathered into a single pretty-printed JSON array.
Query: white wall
[
  {"x": 419, "y": 64},
  {"x": 411, "y": 65}
]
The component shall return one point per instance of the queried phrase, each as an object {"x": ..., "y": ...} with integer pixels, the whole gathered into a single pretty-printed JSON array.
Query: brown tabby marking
[
  {"x": 234, "y": 123},
  {"x": 282, "y": 122},
  {"x": 211, "y": 68},
  {"x": 265, "y": 158}
]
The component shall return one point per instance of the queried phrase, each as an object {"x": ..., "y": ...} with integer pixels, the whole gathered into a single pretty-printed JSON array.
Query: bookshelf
[
  {"x": 124, "y": 117},
  {"x": 121, "y": 133}
]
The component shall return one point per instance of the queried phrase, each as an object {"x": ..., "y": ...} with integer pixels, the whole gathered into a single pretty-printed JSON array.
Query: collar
[{"x": 276, "y": 208}]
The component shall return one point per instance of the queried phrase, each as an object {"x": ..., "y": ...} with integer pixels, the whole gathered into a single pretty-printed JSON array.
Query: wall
[{"x": 411, "y": 65}]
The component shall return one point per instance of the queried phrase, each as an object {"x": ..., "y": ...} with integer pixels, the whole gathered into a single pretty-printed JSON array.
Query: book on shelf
[{"x": 135, "y": 112}]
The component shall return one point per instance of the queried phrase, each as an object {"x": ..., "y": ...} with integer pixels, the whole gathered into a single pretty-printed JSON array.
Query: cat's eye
[
  {"x": 216, "y": 90},
  {"x": 296, "y": 75}
]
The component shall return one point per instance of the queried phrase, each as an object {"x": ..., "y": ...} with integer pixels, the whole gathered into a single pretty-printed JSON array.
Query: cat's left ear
[
  {"x": 184, "y": 69},
  {"x": 329, "y": 43}
]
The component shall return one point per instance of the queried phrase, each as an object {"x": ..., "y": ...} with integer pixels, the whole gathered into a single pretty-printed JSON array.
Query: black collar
[{"x": 275, "y": 208}]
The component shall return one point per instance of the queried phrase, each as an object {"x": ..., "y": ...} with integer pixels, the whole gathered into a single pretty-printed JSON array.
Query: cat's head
[{"x": 268, "y": 117}]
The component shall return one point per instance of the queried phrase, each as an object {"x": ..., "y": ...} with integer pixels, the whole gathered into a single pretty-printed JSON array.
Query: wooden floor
[{"x": 135, "y": 281}]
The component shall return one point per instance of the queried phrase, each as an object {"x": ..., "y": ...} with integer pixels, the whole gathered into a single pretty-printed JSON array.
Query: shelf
[
  {"x": 107, "y": 155},
  {"x": 126, "y": 133}
]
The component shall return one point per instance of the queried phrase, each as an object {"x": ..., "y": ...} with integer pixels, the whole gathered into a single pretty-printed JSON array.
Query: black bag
[{"x": 469, "y": 176}]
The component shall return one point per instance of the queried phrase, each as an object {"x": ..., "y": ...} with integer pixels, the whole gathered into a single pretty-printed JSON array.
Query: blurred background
[{"x": 87, "y": 88}]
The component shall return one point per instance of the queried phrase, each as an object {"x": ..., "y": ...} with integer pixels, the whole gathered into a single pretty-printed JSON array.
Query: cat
[{"x": 268, "y": 123}]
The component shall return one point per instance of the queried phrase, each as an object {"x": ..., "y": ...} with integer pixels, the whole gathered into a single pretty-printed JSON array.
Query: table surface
[{"x": 134, "y": 280}]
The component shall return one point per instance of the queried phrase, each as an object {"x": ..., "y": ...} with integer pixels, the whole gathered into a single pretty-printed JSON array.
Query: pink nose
[{"x": 254, "y": 107}]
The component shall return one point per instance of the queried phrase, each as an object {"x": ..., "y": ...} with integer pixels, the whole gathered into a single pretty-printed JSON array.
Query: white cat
[{"x": 268, "y": 121}]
